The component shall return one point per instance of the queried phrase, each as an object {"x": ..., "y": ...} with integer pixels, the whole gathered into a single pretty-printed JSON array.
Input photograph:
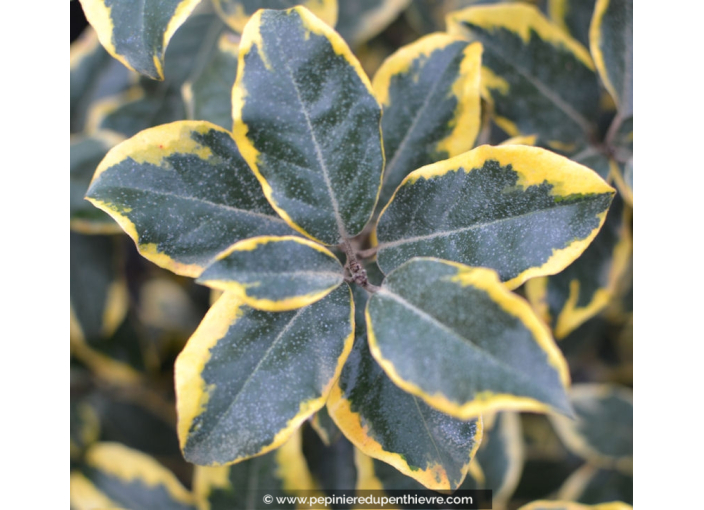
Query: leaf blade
[
  {"x": 472, "y": 319},
  {"x": 293, "y": 357},
  {"x": 259, "y": 271},
  {"x": 318, "y": 183},
  {"x": 175, "y": 189},
  {"x": 487, "y": 207}
]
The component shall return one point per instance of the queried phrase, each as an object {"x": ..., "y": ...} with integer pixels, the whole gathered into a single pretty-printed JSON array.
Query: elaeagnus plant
[{"x": 367, "y": 238}]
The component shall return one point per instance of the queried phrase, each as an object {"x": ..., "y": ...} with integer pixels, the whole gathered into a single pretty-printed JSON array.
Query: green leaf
[
  {"x": 236, "y": 13},
  {"x": 208, "y": 93},
  {"x": 150, "y": 103},
  {"x": 137, "y": 35},
  {"x": 501, "y": 456},
  {"x": 115, "y": 476},
  {"x": 430, "y": 94},
  {"x": 94, "y": 75},
  {"x": 611, "y": 44},
  {"x": 573, "y": 16},
  {"x": 391, "y": 425},
  {"x": 184, "y": 194},
  {"x": 98, "y": 289},
  {"x": 538, "y": 79},
  {"x": 280, "y": 473},
  {"x": 86, "y": 154},
  {"x": 569, "y": 505},
  {"x": 592, "y": 485},
  {"x": 387, "y": 423},
  {"x": 376, "y": 475},
  {"x": 603, "y": 430},
  {"x": 360, "y": 20},
  {"x": 522, "y": 211},
  {"x": 306, "y": 121},
  {"x": 568, "y": 299},
  {"x": 488, "y": 351},
  {"x": 247, "y": 379},
  {"x": 275, "y": 274}
]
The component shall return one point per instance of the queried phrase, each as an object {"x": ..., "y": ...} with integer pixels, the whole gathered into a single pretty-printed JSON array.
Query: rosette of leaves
[{"x": 404, "y": 317}]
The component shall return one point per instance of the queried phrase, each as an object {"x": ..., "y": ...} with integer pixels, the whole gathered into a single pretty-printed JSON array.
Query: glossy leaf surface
[
  {"x": 307, "y": 123},
  {"x": 275, "y": 273},
  {"x": 430, "y": 94},
  {"x": 184, "y": 194},
  {"x": 522, "y": 211},
  {"x": 458, "y": 339},
  {"x": 237, "y": 355},
  {"x": 137, "y": 33}
]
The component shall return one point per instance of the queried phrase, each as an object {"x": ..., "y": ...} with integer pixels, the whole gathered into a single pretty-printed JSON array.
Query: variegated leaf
[
  {"x": 522, "y": 211},
  {"x": 237, "y": 355},
  {"x": 137, "y": 33},
  {"x": 184, "y": 194},
  {"x": 488, "y": 351},
  {"x": 307, "y": 123},
  {"x": 429, "y": 91}
]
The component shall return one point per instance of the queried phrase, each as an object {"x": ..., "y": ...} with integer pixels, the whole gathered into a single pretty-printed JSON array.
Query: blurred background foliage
[{"x": 130, "y": 319}]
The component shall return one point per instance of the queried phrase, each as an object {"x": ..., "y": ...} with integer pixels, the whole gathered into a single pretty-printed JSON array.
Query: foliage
[{"x": 389, "y": 261}]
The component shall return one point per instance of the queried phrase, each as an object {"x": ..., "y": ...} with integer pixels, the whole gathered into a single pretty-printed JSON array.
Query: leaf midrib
[
  {"x": 523, "y": 379},
  {"x": 447, "y": 233},
  {"x": 199, "y": 200},
  {"x": 318, "y": 151}
]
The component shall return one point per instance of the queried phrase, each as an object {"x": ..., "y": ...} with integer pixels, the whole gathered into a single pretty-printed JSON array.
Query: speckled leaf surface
[
  {"x": 568, "y": 299},
  {"x": 282, "y": 472},
  {"x": 236, "y": 13},
  {"x": 137, "y": 32},
  {"x": 360, "y": 20},
  {"x": 94, "y": 75},
  {"x": 429, "y": 91},
  {"x": 396, "y": 427},
  {"x": 501, "y": 456},
  {"x": 488, "y": 351},
  {"x": 275, "y": 273},
  {"x": 237, "y": 355},
  {"x": 573, "y": 16},
  {"x": 86, "y": 154},
  {"x": 150, "y": 103},
  {"x": 184, "y": 194},
  {"x": 538, "y": 79},
  {"x": 522, "y": 211},
  {"x": 208, "y": 94},
  {"x": 115, "y": 476},
  {"x": 611, "y": 43},
  {"x": 603, "y": 430},
  {"x": 376, "y": 475},
  {"x": 307, "y": 123}
]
